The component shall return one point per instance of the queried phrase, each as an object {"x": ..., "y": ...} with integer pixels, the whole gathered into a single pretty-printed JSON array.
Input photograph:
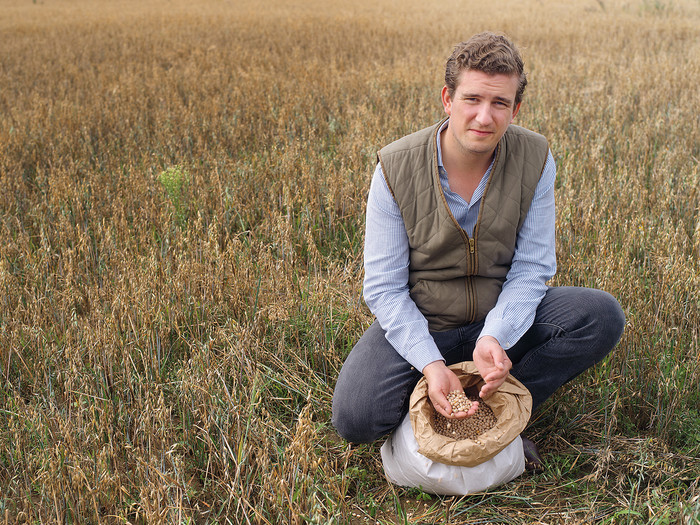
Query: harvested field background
[{"x": 182, "y": 190}]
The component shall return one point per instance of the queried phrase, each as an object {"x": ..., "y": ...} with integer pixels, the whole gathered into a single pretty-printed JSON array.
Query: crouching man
[{"x": 459, "y": 246}]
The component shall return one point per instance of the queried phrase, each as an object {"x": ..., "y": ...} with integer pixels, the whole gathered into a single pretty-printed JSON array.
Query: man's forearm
[
  {"x": 386, "y": 279},
  {"x": 534, "y": 263}
]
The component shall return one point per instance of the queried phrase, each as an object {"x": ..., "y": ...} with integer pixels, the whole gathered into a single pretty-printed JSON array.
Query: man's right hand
[{"x": 441, "y": 381}]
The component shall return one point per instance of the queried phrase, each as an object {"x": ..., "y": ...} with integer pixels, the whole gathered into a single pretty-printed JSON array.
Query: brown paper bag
[{"x": 511, "y": 404}]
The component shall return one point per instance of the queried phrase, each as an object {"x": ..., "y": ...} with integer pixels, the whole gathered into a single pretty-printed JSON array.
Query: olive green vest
[{"x": 454, "y": 279}]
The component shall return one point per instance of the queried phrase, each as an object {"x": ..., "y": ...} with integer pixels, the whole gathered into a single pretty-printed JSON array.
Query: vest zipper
[{"x": 471, "y": 291}]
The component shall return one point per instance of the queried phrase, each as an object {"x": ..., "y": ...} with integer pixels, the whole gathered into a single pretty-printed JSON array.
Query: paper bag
[{"x": 511, "y": 404}]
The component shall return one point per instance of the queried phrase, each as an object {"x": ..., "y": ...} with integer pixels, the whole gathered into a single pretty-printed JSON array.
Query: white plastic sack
[{"x": 405, "y": 466}]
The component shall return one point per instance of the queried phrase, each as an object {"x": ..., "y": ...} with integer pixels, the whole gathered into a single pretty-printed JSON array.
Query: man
[{"x": 459, "y": 247}]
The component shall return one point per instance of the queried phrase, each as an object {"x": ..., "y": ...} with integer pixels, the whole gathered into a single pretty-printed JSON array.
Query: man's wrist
[
  {"x": 432, "y": 366},
  {"x": 422, "y": 353},
  {"x": 487, "y": 337},
  {"x": 501, "y": 330}
]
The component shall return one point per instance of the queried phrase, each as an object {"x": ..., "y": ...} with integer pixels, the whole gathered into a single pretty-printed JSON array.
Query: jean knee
[
  {"x": 350, "y": 430},
  {"x": 341, "y": 426},
  {"x": 612, "y": 317},
  {"x": 341, "y": 414},
  {"x": 609, "y": 323},
  {"x": 348, "y": 419}
]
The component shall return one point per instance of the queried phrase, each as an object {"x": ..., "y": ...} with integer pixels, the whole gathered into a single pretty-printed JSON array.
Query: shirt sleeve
[
  {"x": 385, "y": 290},
  {"x": 534, "y": 263}
]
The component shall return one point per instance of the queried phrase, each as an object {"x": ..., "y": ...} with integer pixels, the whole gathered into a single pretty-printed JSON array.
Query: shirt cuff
[
  {"x": 423, "y": 353},
  {"x": 502, "y": 331}
]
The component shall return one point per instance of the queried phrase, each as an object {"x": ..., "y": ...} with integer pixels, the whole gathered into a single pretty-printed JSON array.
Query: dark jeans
[{"x": 574, "y": 328}]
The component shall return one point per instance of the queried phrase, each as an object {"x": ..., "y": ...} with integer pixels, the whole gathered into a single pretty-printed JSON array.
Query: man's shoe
[{"x": 533, "y": 461}]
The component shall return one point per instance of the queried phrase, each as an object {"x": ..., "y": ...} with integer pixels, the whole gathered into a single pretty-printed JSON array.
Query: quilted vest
[{"x": 455, "y": 279}]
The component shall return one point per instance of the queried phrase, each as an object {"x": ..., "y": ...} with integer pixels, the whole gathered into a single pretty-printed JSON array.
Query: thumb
[{"x": 440, "y": 403}]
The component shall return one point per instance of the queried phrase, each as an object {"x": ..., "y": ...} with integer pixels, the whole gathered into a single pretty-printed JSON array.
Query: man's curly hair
[{"x": 488, "y": 52}]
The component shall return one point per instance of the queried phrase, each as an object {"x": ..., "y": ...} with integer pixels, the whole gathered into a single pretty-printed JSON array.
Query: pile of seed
[
  {"x": 459, "y": 401},
  {"x": 469, "y": 428}
]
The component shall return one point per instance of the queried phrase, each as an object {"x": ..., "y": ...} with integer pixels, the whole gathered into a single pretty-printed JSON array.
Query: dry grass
[{"x": 168, "y": 346}]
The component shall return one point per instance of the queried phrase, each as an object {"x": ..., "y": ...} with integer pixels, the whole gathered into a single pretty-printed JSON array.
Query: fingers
[
  {"x": 463, "y": 415},
  {"x": 494, "y": 366},
  {"x": 442, "y": 405},
  {"x": 490, "y": 387},
  {"x": 496, "y": 375},
  {"x": 500, "y": 358},
  {"x": 503, "y": 362},
  {"x": 439, "y": 399},
  {"x": 441, "y": 381},
  {"x": 487, "y": 390}
]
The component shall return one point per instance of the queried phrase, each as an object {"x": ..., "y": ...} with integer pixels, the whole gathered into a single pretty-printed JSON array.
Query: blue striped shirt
[{"x": 386, "y": 262}]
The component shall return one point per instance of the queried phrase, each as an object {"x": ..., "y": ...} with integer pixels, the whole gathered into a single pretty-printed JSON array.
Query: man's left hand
[{"x": 493, "y": 364}]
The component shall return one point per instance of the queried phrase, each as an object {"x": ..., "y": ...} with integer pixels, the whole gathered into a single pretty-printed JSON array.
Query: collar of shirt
[{"x": 479, "y": 192}]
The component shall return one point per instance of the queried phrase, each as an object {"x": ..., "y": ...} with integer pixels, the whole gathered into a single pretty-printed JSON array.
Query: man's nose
[{"x": 484, "y": 116}]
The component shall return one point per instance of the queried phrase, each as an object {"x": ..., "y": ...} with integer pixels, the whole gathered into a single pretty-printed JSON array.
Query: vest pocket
[{"x": 443, "y": 303}]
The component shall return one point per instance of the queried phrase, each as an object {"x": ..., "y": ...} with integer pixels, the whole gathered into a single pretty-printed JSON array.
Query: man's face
[{"x": 480, "y": 110}]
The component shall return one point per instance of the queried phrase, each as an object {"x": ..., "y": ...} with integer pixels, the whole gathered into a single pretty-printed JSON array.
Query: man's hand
[
  {"x": 492, "y": 363},
  {"x": 441, "y": 381}
]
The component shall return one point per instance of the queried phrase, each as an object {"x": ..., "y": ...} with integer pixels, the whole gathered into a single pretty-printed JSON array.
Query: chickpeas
[
  {"x": 459, "y": 401},
  {"x": 469, "y": 428}
]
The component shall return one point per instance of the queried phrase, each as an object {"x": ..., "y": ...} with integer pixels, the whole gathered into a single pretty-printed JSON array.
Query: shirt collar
[{"x": 439, "y": 147}]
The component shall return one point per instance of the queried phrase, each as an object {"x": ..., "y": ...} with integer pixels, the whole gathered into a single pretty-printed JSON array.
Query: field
[{"x": 182, "y": 192}]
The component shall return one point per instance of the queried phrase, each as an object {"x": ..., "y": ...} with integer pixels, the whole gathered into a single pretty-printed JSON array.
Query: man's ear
[
  {"x": 515, "y": 111},
  {"x": 446, "y": 100}
]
